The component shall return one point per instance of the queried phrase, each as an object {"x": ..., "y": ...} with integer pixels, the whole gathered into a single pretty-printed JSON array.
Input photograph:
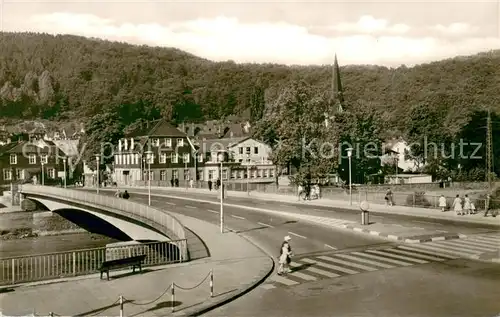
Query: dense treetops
[{"x": 63, "y": 77}]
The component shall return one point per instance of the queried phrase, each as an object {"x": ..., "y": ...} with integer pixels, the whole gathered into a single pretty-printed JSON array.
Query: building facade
[
  {"x": 254, "y": 159},
  {"x": 160, "y": 149}
]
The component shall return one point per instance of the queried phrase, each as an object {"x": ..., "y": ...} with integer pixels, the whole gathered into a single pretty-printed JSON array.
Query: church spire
[{"x": 337, "y": 91}]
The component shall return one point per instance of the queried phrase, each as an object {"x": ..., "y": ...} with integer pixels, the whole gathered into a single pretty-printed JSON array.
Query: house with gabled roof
[{"x": 173, "y": 156}]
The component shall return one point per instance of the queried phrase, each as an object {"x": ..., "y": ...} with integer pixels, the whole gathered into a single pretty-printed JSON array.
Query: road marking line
[
  {"x": 215, "y": 212},
  {"x": 430, "y": 252},
  {"x": 315, "y": 270},
  {"x": 192, "y": 207},
  {"x": 330, "y": 247},
  {"x": 405, "y": 258},
  {"x": 282, "y": 280},
  {"x": 441, "y": 231},
  {"x": 358, "y": 266},
  {"x": 471, "y": 241},
  {"x": 429, "y": 222},
  {"x": 237, "y": 217},
  {"x": 264, "y": 224},
  {"x": 465, "y": 245},
  {"x": 169, "y": 203},
  {"x": 353, "y": 258},
  {"x": 380, "y": 258},
  {"x": 303, "y": 276},
  {"x": 268, "y": 286},
  {"x": 438, "y": 249},
  {"x": 297, "y": 235},
  {"x": 329, "y": 266},
  {"x": 377, "y": 216},
  {"x": 428, "y": 257}
]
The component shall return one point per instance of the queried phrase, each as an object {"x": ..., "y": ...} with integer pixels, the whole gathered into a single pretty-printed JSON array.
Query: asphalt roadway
[{"x": 426, "y": 288}]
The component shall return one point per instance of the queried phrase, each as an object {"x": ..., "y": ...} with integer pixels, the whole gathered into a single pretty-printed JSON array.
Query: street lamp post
[
  {"x": 64, "y": 163},
  {"x": 349, "y": 155},
  {"x": 97, "y": 170},
  {"x": 221, "y": 158},
  {"x": 43, "y": 171},
  {"x": 149, "y": 157}
]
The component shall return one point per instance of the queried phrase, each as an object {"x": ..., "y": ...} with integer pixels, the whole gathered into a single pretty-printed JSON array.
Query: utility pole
[{"x": 489, "y": 154}]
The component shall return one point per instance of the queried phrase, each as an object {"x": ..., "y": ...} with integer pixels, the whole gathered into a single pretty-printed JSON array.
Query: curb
[
  {"x": 403, "y": 239},
  {"x": 214, "y": 304}
]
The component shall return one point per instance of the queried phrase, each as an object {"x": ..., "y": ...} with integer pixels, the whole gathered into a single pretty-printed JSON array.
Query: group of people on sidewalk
[{"x": 461, "y": 207}]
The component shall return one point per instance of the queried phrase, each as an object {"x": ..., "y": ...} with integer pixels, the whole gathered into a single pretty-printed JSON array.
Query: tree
[
  {"x": 297, "y": 133},
  {"x": 102, "y": 133}
]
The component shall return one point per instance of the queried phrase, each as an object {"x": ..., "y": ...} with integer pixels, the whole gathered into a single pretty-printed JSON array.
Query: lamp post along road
[
  {"x": 43, "y": 176},
  {"x": 64, "y": 163},
  {"x": 97, "y": 170},
  {"x": 149, "y": 157},
  {"x": 349, "y": 155},
  {"x": 221, "y": 158}
]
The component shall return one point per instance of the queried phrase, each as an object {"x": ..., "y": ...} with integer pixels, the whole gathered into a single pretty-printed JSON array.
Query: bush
[{"x": 418, "y": 199}]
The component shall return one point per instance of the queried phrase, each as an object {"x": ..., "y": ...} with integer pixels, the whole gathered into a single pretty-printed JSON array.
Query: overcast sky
[{"x": 289, "y": 32}]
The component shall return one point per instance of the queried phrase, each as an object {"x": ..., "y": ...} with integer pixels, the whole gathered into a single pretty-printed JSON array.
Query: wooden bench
[{"x": 134, "y": 261}]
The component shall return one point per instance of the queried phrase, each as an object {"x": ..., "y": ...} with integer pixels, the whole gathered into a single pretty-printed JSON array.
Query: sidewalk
[
  {"x": 237, "y": 267},
  {"x": 382, "y": 209},
  {"x": 388, "y": 231}
]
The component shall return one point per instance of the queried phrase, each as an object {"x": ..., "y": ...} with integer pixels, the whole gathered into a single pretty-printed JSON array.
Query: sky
[{"x": 388, "y": 33}]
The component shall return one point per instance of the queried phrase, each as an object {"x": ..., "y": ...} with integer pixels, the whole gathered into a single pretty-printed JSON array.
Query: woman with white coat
[
  {"x": 285, "y": 257},
  {"x": 467, "y": 205},
  {"x": 457, "y": 205},
  {"x": 442, "y": 203}
]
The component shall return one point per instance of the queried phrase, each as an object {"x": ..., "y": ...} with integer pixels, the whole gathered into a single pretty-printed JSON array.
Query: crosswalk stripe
[
  {"x": 441, "y": 250},
  {"x": 349, "y": 257},
  {"x": 330, "y": 266},
  {"x": 303, "y": 276},
  {"x": 380, "y": 258},
  {"x": 433, "y": 253},
  {"x": 317, "y": 271},
  {"x": 427, "y": 257},
  {"x": 282, "y": 280},
  {"x": 397, "y": 256},
  {"x": 473, "y": 242},
  {"x": 458, "y": 248},
  {"x": 486, "y": 239},
  {"x": 463, "y": 244},
  {"x": 358, "y": 266}
]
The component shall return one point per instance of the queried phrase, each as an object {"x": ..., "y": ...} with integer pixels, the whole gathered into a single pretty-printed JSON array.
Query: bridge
[{"x": 162, "y": 235}]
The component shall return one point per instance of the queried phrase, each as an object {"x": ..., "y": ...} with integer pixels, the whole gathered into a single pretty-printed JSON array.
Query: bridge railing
[
  {"x": 48, "y": 266},
  {"x": 160, "y": 217}
]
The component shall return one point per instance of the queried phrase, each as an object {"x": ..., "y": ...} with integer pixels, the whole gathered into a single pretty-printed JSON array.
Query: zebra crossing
[
  {"x": 330, "y": 222},
  {"x": 470, "y": 247},
  {"x": 321, "y": 267}
]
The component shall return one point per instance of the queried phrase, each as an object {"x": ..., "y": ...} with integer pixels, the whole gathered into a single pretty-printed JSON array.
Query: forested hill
[{"x": 58, "y": 77}]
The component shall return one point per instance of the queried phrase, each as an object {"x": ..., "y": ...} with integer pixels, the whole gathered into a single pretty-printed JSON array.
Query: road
[{"x": 338, "y": 273}]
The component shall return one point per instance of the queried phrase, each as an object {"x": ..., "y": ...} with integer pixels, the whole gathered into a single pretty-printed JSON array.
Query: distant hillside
[{"x": 57, "y": 77}]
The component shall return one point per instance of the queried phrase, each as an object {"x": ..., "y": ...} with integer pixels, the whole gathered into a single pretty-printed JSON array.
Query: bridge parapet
[{"x": 160, "y": 217}]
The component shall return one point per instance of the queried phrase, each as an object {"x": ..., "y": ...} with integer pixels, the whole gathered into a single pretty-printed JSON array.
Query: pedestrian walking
[
  {"x": 191, "y": 183},
  {"x": 487, "y": 207},
  {"x": 209, "y": 185},
  {"x": 176, "y": 182},
  {"x": 467, "y": 207},
  {"x": 172, "y": 182},
  {"x": 388, "y": 197},
  {"x": 285, "y": 257},
  {"x": 457, "y": 205},
  {"x": 217, "y": 183},
  {"x": 442, "y": 203}
]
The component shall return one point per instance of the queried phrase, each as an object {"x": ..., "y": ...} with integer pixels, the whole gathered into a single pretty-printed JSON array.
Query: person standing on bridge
[
  {"x": 126, "y": 195},
  {"x": 285, "y": 256}
]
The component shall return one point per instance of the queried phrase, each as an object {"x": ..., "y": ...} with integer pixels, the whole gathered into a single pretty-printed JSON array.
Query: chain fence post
[
  {"x": 173, "y": 297},
  {"x": 121, "y": 306},
  {"x": 212, "y": 283}
]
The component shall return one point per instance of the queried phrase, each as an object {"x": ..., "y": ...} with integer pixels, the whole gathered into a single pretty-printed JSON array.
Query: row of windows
[
  {"x": 242, "y": 174},
  {"x": 167, "y": 142},
  {"x": 248, "y": 150},
  {"x": 7, "y": 174},
  {"x": 31, "y": 159},
  {"x": 125, "y": 159}
]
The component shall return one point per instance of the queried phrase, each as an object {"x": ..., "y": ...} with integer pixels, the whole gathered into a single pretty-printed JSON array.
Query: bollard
[
  {"x": 173, "y": 297},
  {"x": 121, "y": 306},
  {"x": 364, "y": 206},
  {"x": 212, "y": 283}
]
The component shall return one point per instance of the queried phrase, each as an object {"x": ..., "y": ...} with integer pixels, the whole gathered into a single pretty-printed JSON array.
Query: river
[{"x": 24, "y": 233}]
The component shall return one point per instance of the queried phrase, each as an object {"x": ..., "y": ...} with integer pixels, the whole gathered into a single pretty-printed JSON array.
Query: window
[
  {"x": 150, "y": 159},
  {"x": 260, "y": 173},
  {"x": 174, "y": 157},
  {"x": 249, "y": 150},
  {"x": 163, "y": 175},
  {"x": 175, "y": 174},
  {"x": 180, "y": 142},
  {"x": 266, "y": 173},
  {"x": 32, "y": 159},
  {"x": 200, "y": 158},
  {"x": 211, "y": 174},
  {"x": 168, "y": 142},
  {"x": 234, "y": 174},
  {"x": 255, "y": 150},
  {"x": 186, "y": 158},
  {"x": 151, "y": 175},
  {"x": 199, "y": 174},
  {"x": 186, "y": 174},
  {"x": 44, "y": 159},
  {"x": 13, "y": 159},
  {"x": 271, "y": 173},
  {"x": 7, "y": 175},
  {"x": 163, "y": 158},
  {"x": 156, "y": 142},
  {"x": 240, "y": 149},
  {"x": 51, "y": 173},
  {"x": 224, "y": 174},
  {"x": 19, "y": 174}
]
